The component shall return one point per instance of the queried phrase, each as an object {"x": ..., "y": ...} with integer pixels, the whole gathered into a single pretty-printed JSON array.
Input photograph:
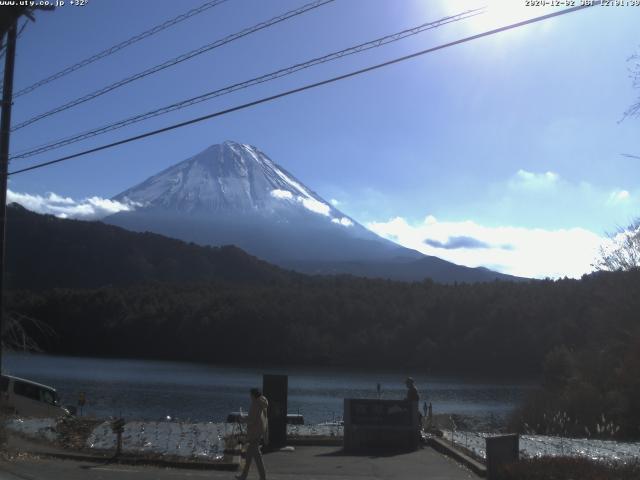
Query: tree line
[{"x": 581, "y": 337}]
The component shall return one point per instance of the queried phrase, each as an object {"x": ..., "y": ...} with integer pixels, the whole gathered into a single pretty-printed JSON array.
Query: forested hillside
[
  {"x": 48, "y": 252},
  {"x": 497, "y": 328}
]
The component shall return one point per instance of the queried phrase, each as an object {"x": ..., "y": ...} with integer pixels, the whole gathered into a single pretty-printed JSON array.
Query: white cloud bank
[
  {"x": 92, "y": 208},
  {"x": 534, "y": 181},
  {"x": 535, "y": 253}
]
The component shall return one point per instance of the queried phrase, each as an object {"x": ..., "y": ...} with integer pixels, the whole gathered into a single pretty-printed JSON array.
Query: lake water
[{"x": 153, "y": 390}]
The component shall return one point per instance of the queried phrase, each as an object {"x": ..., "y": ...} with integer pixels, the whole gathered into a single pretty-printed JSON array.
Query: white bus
[{"x": 29, "y": 399}]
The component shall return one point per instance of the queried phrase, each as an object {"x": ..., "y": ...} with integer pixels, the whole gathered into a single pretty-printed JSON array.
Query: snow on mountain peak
[
  {"x": 230, "y": 177},
  {"x": 283, "y": 194}
]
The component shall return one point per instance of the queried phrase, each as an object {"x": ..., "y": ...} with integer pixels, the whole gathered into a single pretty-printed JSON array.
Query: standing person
[
  {"x": 256, "y": 431},
  {"x": 413, "y": 396},
  {"x": 412, "y": 391}
]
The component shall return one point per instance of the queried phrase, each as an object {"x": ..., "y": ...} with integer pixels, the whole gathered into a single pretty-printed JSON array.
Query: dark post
[
  {"x": 501, "y": 451},
  {"x": 82, "y": 399},
  {"x": 119, "y": 443},
  {"x": 118, "y": 428},
  {"x": 275, "y": 388},
  {"x": 5, "y": 127}
]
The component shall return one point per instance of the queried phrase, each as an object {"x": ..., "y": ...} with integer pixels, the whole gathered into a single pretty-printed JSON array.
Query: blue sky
[{"x": 514, "y": 141}]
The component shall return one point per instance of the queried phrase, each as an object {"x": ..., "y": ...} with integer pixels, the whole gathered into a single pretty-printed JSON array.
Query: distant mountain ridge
[
  {"x": 45, "y": 252},
  {"x": 89, "y": 254},
  {"x": 412, "y": 270},
  {"x": 233, "y": 193}
]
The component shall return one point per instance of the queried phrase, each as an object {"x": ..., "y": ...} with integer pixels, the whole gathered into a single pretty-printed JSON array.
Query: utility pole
[
  {"x": 9, "y": 17},
  {"x": 9, "y": 24},
  {"x": 5, "y": 127}
]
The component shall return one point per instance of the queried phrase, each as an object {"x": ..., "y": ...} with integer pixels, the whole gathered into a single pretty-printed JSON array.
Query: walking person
[{"x": 256, "y": 431}]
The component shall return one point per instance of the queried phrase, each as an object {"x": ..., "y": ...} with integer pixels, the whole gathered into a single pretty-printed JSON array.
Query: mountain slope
[
  {"x": 48, "y": 252},
  {"x": 428, "y": 266},
  {"x": 234, "y": 194}
]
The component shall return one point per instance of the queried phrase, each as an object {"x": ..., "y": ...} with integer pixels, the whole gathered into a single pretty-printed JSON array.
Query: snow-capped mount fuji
[
  {"x": 230, "y": 178},
  {"x": 232, "y": 193}
]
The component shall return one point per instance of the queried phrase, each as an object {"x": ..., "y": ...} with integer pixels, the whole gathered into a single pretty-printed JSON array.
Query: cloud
[
  {"x": 619, "y": 196},
  {"x": 559, "y": 191},
  {"x": 534, "y": 181},
  {"x": 334, "y": 202},
  {"x": 548, "y": 200},
  {"x": 315, "y": 206},
  {"x": 281, "y": 194},
  {"x": 53, "y": 198},
  {"x": 526, "y": 252},
  {"x": 91, "y": 208},
  {"x": 111, "y": 206},
  {"x": 457, "y": 242},
  {"x": 344, "y": 221},
  {"x": 307, "y": 202}
]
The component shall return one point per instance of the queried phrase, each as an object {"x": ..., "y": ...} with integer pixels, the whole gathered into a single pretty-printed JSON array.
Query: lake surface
[{"x": 153, "y": 390}]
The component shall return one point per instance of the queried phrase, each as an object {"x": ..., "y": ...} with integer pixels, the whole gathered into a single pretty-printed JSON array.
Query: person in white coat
[{"x": 256, "y": 431}]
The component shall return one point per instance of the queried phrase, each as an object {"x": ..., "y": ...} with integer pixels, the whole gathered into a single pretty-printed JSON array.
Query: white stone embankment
[
  {"x": 199, "y": 440},
  {"x": 548, "y": 446}
]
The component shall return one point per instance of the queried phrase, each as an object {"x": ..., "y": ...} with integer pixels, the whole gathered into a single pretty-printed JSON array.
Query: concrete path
[
  {"x": 313, "y": 463},
  {"x": 331, "y": 463}
]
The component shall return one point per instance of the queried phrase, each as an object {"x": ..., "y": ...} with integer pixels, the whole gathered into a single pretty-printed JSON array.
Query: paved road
[{"x": 313, "y": 463}]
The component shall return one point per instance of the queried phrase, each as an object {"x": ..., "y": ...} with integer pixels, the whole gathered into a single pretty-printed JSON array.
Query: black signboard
[
  {"x": 368, "y": 412},
  {"x": 275, "y": 388}
]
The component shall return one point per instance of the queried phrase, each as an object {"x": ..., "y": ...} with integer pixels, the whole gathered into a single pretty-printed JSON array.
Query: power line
[
  {"x": 305, "y": 87},
  {"x": 246, "y": 84},
  {"x": 111, "y": 50},
  {"x": 174, "y": 61}
]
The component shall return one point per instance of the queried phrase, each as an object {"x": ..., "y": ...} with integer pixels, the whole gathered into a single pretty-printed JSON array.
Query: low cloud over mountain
[
  {"x": 525, "y": 252},
  {"x": 92, "y": 208}
]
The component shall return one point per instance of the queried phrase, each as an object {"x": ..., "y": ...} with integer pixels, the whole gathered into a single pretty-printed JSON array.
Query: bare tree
[
  {"x": 634, "y": 74},
  {"x": 622, "y": 251},
  {"x": 16, "y": 332}
]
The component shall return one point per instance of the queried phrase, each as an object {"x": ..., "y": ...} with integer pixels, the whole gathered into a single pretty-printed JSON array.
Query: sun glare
[{"x": 495, "y": 13}]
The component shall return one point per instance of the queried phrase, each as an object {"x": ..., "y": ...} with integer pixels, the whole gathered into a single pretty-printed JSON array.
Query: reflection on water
[{"x": 153, "y": 390}]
